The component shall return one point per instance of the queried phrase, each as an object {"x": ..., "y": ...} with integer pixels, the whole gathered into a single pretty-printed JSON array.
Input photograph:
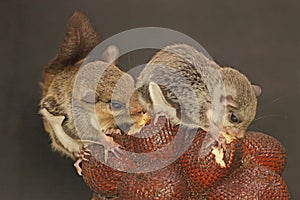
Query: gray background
[{"x": 260, "y": 38}]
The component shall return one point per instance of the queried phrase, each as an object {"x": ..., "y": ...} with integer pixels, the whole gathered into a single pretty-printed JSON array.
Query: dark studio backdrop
[{"x": 260, "y": 38}]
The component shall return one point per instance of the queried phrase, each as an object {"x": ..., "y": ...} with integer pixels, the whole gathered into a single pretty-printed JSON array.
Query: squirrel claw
[
  {"x": 77, "y": 166},
  {"x": 113, "y": 149},
  {"x": 81, "y": 157}
]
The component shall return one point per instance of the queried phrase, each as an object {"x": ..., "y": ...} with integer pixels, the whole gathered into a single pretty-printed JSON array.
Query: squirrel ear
[
  {"x": 156, "y": 94},
  {"x": 159, "y": 101},
  {"x": 111, "y": 54},
  {"x": 257, "y": 90}
]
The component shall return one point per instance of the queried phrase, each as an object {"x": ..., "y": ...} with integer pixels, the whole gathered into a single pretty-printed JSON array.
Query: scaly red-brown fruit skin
[
  {"x": 263, "y": 159},
  {"x": 204, "y": 171},
  {"x": 251, "y": 181},
  {"x": 151, "y": 138},
  {"x": 101, "y": 178},
  {"x": 163, "y": 184},
  {"x": 265, "y": 151},
  {"x": 104, "y": 178},
  {"x": 157, "y": 143}
]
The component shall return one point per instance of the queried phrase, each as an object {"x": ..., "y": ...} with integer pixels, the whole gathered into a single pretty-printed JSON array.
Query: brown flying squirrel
[
  {"x": 181, "y": 82},
  {"x": 100, "y": 110}
]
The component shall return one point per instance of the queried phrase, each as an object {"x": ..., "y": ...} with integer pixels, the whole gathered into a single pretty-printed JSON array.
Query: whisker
[
  {"x": 277, "y": 99},
  {"x": 257, "y": 129},
  {"x": 273, "y": 115}
]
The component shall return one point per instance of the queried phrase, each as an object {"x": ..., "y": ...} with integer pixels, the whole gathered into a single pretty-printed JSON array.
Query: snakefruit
[
  {"x": 265, "y": 151},
  {"x": 163, "y": 162},
  {"x": 250, "y": 181}
]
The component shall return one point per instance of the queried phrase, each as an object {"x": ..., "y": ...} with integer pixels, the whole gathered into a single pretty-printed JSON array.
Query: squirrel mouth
[
  {"x": 232, "y": 134},
  {"x": 140, "y": 122}
]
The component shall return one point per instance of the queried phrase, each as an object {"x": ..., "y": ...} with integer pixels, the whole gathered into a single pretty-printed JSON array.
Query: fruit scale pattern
[{"x": 252, "y": 170}]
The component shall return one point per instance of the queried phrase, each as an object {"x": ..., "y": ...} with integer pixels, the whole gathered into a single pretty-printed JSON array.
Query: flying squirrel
[
  {"x": 192, "y": 90},
  {"x": 75, "y": 111}
]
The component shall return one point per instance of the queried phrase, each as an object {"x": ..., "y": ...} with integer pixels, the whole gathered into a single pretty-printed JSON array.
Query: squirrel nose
[
  {"x": 240, "y": 134},
  {"x": 235, "y": 132}
]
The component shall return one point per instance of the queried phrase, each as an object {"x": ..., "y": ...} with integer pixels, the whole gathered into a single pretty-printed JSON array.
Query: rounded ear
[
  {"x": 111, "y": 54},
  {"x": 257, "y": 89},
  {"x": 156, "y": 94}
]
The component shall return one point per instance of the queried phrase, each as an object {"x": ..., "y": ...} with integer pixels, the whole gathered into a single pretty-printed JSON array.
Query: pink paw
[
  {"x": 111, "y": 146},
  {"x": 81, "y": 157}
]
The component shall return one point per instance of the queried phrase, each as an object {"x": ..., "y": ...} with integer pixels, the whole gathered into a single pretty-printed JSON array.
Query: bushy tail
[{"x": 80, "y": 39}]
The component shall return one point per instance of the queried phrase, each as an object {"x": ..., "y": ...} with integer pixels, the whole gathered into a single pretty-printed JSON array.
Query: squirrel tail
[{"x": 80, "y": 38}]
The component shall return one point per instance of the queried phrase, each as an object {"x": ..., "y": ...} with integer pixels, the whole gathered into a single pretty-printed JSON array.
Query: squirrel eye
[
  {"x": 116, "y": 105},
  {"x": 90, "y": 97},
  {"x": 233, "y": 118}
]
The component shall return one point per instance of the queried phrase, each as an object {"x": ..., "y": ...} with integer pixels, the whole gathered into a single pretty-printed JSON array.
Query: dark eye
[
  {"x": 233, "y": 118},
  {"x": 90, "y": 97},
  {"x": 115, "y": 105}
]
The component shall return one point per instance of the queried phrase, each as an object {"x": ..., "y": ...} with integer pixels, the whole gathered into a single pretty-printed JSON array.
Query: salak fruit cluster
[{"x": 250, "y": 168}]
